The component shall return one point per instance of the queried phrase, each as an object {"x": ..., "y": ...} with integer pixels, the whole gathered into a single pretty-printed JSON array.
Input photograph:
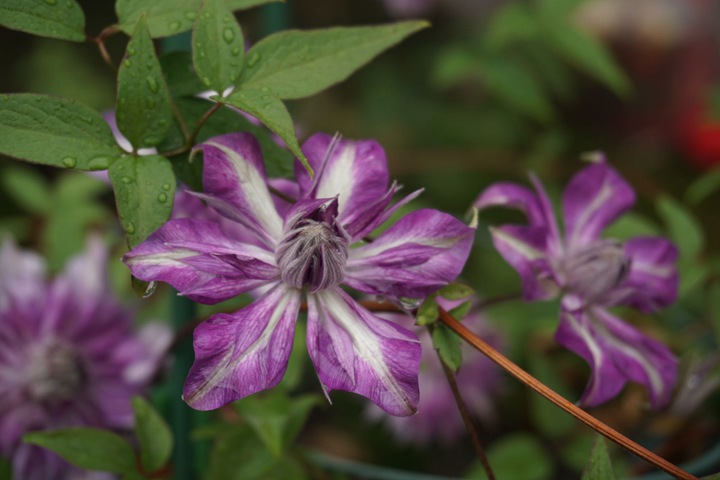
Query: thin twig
[
  {"x": 467, "y": 419},
  {"x": 100, "y": 42},
  {"x": 561, "y": 402},
  {"x": 190, "y": 140}
]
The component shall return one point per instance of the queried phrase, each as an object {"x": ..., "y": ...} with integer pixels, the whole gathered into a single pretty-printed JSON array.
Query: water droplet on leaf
[
  {"x": 126, "y": 180},
  {"x": 152, "y": 84},
  {"x": 162, "y": 198},
  {"x": 228, "y": 35},
  {"x": 99, "y": 163},
  {"x": 130, "y": 228},
  {"x": 166, "y": 187},
  {"x": 69, "y": 162},
  {"x": 174, "y": 25},
  {"x": 190, "y": 15},
  {"x": 253, "y": 59}
]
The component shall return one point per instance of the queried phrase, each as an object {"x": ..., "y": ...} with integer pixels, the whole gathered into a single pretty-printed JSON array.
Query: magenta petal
[
  {"x": 240, "y": 354},
  {"x": 524, "y": 248},
  {"x": 423, "y": 251},
  {"x": 653, "y": 279},
  {"x": 593, "y": 199},
  {"x": 196, "y": 258},
  {"x": 510, "y": 195},
  {"x": 616, "y": 353},
  {"x": 355, "y": 170},
  {"x": 234, "y": 174},
  {"x": 22, "y": 278},
  {"x": 356, "y": 351}
]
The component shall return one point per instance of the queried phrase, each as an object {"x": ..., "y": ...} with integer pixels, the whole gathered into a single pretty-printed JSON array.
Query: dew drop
[
  {"x": 127, "y": 63},
  {"x": 151, "y": 287},
  {"x": 130, "y": 51},
  {"x": 69, "y": 162},
  {"x": 152, "y": 84},
  {"x": 166, "y": 187},
  {"x": 235, "y": 52},
  {"x": 99, "y": 163},
  {"x": 206, "y": 81},
  {"x": 130, "y": 228},
  {"x": 265, "y": 89},
  {"x": 190, "y": 15},
  {"x": 228, "y": 35},
  {"x": 174, "y": 25},
  {"x": 162, "y": 198},
  {"x": 126, "y": 180},
  {"x": 253, "y": 59}
]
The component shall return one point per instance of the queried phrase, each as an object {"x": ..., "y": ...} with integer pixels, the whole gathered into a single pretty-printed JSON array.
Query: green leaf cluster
[
  {"x": 103, "y": 450},
  {"x": 525, "y": 58}
]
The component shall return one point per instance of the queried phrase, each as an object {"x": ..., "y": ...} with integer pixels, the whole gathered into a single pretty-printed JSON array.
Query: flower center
[
  {"x": 597, "y": 269},
  {"x": 55, "y": 374},
  {"x": 314, "y": 250}
]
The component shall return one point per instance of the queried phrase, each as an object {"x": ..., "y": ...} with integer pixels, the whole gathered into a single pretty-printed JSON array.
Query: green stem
[{"x": 182, "y": 311}]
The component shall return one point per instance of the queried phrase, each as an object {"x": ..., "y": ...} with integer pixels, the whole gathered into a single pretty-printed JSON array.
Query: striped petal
[
  {"x": 617, "y": 353},
  {"x": 592, "y": 200},
  {"x": 242, "y": 353},
  {"x": 355, "y": 170},
  {"x": 196, "y": 258},
  {"x": 356, "y": 351},
  {"x": 234, "y": 177},
  {"x": 423, "y": 251}
]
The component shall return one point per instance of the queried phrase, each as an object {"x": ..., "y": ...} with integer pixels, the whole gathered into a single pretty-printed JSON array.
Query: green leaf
[
  {"x": 88, "y": 448},
  {"x": 271, "y": 111},
  {"x": 517, "y": 456},
  {"x": 28, "y": 188},
  {"x": 513, "y": 23},
  {"x": 588, "y": 55},
  {"x": 276, "y": 418},
  {"x": 428, "y": 312},
  {"x": 682, "y": 227},
  {"x": 297, "y": 64},
  {"x": 144, "y": 192},
  {"x": 55, "y": 131},
  {"x": 703, "y": 187},
  {"x": 511, "y": 83},
  {"x": 456, "y": 291},
  {"x": 63, "y": 19},
  {"x": 598, "y": 466},
  {"x": 448, "y": 345},
  {"x": 180, "y": 74},
  {"x": 154, "y": 435},
  {"x": 168, "y": 17},
  {"x": 239, "y": 456},
  {"x": 217, "y": 45},
  {"x": 549, "y": 419},
  {"x": 461, "y": 310},
  {"x": 143, "y": 100}
]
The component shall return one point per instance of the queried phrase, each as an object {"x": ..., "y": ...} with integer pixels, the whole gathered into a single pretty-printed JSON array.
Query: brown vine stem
[
  {"x": 467, "y": 419},
  {"x": 561, "y": 402},
  {"x": 100, "y": 42},
  {"x": 190, "y": 142}
]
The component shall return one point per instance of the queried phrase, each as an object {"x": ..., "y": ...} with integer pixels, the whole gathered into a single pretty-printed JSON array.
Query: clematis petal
[
  {"x": 243, "y": 353},
  {"x": 196, "y": 258},
  {"x": 423, "y": 251},
  {"x": 653, "y": 279},
  {"x": 365, "y": 221},
  {"x": 234, "y": 174},
  {"x": 355, "y": 170},
  {"x": 356, "y": 351},
  {"x": 22, "y": 278},
  {"x": 510, "y": 195},
  {"x": 524, "y": 248},
  {"x": 616, "y": 353},
  {"x": 594, "y": 198}
]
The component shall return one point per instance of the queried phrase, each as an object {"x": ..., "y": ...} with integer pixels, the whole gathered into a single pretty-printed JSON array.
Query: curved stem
[
  {"x": 100, "y": 42},
  {"x": 467, "y": 418},
  {"x": 561, "y": 402},
  {"x": 192, "y": 137}
]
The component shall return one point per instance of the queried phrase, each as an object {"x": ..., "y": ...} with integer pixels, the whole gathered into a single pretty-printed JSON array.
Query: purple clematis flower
[
  {"x": 303, "y": 248},
  {"x": 68, "y": 356},
  {"x": 593, "y": 273}
]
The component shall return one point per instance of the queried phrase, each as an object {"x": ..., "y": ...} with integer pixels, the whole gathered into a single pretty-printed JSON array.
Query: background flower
[
  {"x": 68, "y": 355},
  {"x": 592, "y": 273}
]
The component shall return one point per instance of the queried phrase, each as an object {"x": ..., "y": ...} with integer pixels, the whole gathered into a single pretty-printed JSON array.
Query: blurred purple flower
[
  {"x": 479, "y": 380},
  {"x": 68, "y": 355},
  {"x": 303, "y": 247},
  {"x": 592, "y": 273}
]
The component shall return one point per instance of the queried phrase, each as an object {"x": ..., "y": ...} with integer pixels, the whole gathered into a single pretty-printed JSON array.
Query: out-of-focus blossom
[
  {"x": 479, "y": 380},
  {"x": 304, "y": 248},
  {"x": 592, "y": 273},
  {"x": 68, "y": 355}
]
